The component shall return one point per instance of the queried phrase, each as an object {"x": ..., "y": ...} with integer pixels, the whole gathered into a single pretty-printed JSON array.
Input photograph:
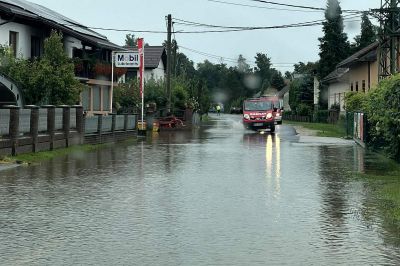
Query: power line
[
  {"x": 198, "y": 24},
  {"x": 302, "y": 7},
  {"x": 223, "y": 28},
  {"x": 232, "y": 60},
  {"x": 237, "y": 28},
  {"x": 263, "y": 7}
]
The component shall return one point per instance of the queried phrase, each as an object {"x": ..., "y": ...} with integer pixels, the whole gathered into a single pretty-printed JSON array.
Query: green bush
[
  {"x": 383, "y": 114},
  {"x": 48, "y": 80},
  {"x": 335, "y": 106},
  {"x": 355, "y": 101},
  {"x": 303, "y": 109},
  {"x": 321, "y": 116}
]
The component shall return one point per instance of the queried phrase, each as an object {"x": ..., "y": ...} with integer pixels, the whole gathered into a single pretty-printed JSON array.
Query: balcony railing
[{"x": 92, "y": 70}]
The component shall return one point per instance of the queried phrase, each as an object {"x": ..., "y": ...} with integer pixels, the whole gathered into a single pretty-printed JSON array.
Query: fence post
[
  {"x": 80, "y": 122},
  {"x": 34, "y": 126},
  {"x": 365, "y": 129},
  {"x": 66, "y": 123},
  {"x": 51, "y": 123},
  {"x": 125, "y": 122},
  {"x": 100, "y": 126},
  {"x": 113, "y": 122},
  {"x": 14, "y": 127}
]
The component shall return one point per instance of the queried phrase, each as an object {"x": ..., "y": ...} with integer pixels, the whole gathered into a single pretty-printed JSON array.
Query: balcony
[{"x": 94, "y": 69}]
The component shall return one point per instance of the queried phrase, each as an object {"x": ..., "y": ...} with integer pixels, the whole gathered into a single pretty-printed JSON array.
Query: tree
[
  {"x": 368, "y": 34},
  {"x": 308, "y": 68},
  {"x": 334, "y": 45},
  {"x": 242, "y": 66},
  {"x": 263, "y": 70},
  {"x": 49, "y": 80},
  {"x": 130, "y": 40},
  {"x": 288, "y": 75},
  {"x": 56, "y": 73},
  {"x": 301, "y": 95},
  {"x": 277, "y": 80},
  {"x": 184, "y": 66}
]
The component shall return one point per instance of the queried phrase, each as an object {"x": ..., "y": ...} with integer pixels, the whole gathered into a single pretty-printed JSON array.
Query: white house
[
  {"x": 155, "y": 62},
  {"x": 357, "y": 73},
  {"x": 24, "y": 26}
]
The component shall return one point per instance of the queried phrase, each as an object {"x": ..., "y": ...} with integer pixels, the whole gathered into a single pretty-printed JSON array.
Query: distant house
[
  {"x": 155, "y": 61},
  {"x": 25, "y": 26},
  {"x": 284, "y": 97},
  {"x": 357, "y": 73}
]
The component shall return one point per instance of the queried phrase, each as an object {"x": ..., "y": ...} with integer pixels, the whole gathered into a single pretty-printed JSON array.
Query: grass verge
[
  {"x": 323, "y": 130},
  {"x": 32, "y": 158},
  {"x": 386, "y": 189}
]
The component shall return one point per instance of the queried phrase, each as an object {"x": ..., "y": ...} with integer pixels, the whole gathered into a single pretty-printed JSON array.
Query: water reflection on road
[{"x": 218, "y": 195}]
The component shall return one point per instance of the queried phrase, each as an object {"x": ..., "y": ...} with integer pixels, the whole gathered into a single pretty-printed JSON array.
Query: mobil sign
[{"x": 127, "y": 59}]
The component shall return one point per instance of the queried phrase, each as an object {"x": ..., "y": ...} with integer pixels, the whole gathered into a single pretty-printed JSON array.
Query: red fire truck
[{"x": 258, "y": 114}]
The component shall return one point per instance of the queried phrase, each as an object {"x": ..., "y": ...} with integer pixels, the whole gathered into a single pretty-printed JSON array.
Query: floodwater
[{"x": 218, "y": 195}]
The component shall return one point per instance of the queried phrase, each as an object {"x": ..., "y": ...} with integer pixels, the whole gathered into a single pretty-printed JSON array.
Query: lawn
[{"x": 323, "y": 130}]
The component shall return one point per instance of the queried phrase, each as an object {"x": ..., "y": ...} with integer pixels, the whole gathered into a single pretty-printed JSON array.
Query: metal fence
[{"x": 92, "y": 123}]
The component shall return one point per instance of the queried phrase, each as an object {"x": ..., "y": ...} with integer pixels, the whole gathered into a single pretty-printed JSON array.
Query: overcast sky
[{"x": 282, "y": 45}]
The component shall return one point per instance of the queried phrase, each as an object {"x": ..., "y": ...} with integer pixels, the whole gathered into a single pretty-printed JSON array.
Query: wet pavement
[{"x": 216, "y": 196}]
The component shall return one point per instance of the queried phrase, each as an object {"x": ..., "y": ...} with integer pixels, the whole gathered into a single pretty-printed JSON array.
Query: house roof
[
  {"x": 336, "y": 75},
  {"x": 27, "y": 10},
  {"x": 284, "y": 90},
  {"x": 152, "y": 55},
  {"x": 367, "y": 54}
]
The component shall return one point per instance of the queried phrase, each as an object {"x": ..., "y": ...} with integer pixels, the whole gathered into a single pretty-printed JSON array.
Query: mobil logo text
[{"x": 127, "y": 59}]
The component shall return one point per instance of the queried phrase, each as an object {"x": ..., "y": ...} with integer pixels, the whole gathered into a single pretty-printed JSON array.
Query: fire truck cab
[{"x": 258, "y": 114}]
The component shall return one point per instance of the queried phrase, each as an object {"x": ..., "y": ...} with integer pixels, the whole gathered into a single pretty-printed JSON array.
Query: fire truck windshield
[{"x": 257, "y": 106}]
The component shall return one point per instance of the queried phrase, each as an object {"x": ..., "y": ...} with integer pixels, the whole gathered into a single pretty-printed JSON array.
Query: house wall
[
  {"x": 156, "y": 74},
  {"x": 359, "y": 73},
  {"x": 286, "y": 105},
  {"x": 70, "y": 43},
  {"x": 336, "y": 92},
  {"x": 25, "y": 33},
  {"x": 97, "y": 98}
]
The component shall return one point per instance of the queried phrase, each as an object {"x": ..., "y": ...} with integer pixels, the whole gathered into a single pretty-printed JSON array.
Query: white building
[
  {"x": 357, "y": 73},
  {"x": 25, "y": 26},
  {"x": 155, "y": 62}
]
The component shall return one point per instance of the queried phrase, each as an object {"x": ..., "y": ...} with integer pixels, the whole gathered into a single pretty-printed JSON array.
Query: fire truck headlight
[
  {"x": 269, "y": 116},
  {"x": 246, "y": 116}
]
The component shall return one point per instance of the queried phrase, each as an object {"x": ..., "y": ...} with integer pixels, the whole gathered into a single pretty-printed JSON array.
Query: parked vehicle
[
  {"x": 236, "y": 110},
  {"x": 258, "y": 114}
]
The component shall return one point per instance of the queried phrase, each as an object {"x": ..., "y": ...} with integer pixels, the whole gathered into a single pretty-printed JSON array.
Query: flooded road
[{"x": 215, "y": 196}]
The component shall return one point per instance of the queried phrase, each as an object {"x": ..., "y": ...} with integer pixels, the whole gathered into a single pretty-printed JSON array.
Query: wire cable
[
  {"x": 264, "y": 7},
  {"x": 302, "y": 7}
]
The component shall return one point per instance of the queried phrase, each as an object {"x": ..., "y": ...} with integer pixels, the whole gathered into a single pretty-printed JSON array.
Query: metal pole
[
  {"x": 142, "y": 81},
  {"x": 112, "y": 81},
  {"x": 169, "y": 62}
]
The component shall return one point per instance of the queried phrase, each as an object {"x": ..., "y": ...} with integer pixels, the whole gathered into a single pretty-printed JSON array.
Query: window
[
  {"x": 13, "y": 42},
  {"x": 357, "y": 86},
  {"x": 36, "y": 47},
  {"x": 351, "y": 87},
  {"x": 363, "y": 86}
]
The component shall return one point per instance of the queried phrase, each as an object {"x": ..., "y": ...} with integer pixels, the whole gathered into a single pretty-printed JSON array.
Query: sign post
[
  {"x": 122, "y": 59},
  {"x": 141, "y": 71},
  {"x": 129, "y": 59}
]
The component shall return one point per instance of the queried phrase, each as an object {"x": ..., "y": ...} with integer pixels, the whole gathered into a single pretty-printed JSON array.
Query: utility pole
[
  {"x": 389, "y": 38},
  {"x": 169, "y": 63}
]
